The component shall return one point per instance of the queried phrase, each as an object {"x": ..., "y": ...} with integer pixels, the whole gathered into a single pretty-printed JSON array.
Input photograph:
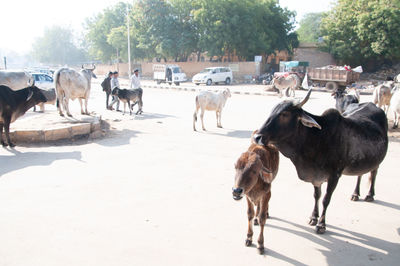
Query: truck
[
  {"x": 168, "y": 74},
  {"x": 332, "y": 77}
]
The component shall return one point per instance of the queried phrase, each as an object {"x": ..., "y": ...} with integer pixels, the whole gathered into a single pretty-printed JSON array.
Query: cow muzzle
[
  {"x": 237, "y": 193},
  {"x": 260, "y": 139}
]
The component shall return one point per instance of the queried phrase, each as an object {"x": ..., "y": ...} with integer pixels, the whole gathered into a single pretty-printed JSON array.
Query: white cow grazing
[
  {"x": 210, "y": 101},
  {"x": 382, "y": 95},
  {"x": 71, "y": 84},
  {"x": 289, "y": 83},
  {"x": 16, "y": 80}
]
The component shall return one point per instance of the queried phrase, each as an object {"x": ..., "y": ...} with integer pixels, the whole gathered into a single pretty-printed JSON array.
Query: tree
[
  {"x": 310, "y": 27},
  {"x": 100, "y": 26},
  {"x": 57, "y": 46},
  {"x": 364, "y": 32}
]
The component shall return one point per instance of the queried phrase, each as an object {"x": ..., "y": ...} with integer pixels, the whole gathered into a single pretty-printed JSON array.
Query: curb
[
  {"x": 237, "y": 92},
  {"x": 69, "y": 132}
]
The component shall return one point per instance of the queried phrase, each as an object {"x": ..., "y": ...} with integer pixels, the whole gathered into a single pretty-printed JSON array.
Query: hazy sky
[{"x": 23, "y": 21}]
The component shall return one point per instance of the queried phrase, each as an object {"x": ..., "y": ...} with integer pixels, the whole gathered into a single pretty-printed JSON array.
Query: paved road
[{"x": 156, "y": 193}]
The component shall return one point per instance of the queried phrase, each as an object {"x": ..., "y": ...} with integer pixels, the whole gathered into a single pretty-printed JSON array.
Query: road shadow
[
  {"x": 146, "y": 116},
  {"x": 242, "y": 134},
  {"x": 344, "y": 247},
  {"x": 386, "y": 204},
  {"x": 117, "y": 137},
  {"x": 22, "y": 160}
]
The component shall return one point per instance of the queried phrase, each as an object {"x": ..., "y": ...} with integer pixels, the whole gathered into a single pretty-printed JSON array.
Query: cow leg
[
  {"x": 262, "y": 218},
  {"x": 219, "y": 119},
  {"x": 332, "y": 182},
  {"x": 1, "y": 135},
  {"x": 201, "y": 117},
  {"x": 7, "y": 131},
  {"x": 195, "y": 117},
  {"x": 371, "y": 193},
  {"x": 250, "y": 216},
  {"x": 86, "y": 103},
  {"x": 80, "y": 102},
  {"x": 140, "y": 106},
  {"x": 257, "y": 214},
  {"x": 315, "y": 213},
  {"x": 66, "y": 106},
  {"x": 356, "y": 193},
  {"x": 396, "y": 122}
]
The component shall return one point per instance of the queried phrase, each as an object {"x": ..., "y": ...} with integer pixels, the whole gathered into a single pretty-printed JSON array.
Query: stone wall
[
  {"x": 311, "y": 54},
  {"x": 240, "y": 69}
]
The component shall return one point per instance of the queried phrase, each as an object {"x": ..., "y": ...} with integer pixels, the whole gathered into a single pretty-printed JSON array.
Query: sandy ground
[{"x": 153, "y": 192}]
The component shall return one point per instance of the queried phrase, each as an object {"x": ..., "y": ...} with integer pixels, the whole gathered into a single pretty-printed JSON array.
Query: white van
[
  {"x": 168, "y": 74},
  {"x": 213, "y": 75}
]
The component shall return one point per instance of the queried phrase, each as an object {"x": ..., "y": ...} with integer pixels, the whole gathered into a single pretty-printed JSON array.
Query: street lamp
[{"x": 129, "y": 43}]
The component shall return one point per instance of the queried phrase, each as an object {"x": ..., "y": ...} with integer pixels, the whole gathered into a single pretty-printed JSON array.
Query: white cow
[
  {"x": 382, "y": 95},
  {"x": 16, "y": 80},
  {"x": 397, "y": 78},
  {"x": 289, "y": 83},
  {"x": 210, "y": 101},
  {"x": 71, "y": 84}
]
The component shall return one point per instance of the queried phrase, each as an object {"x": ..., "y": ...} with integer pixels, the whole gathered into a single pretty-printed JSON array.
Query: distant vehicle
[
  {"x": 286, "y": 68},
  {"x": 43, "y": 81},
  {"x": 213, "y": 75},
  {"x": 168, "y": 74}
]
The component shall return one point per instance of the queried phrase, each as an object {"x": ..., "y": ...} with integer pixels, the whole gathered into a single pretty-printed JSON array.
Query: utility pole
[
  {"x": 5, "y": 62},
  {"x": 129, "y": 43}
]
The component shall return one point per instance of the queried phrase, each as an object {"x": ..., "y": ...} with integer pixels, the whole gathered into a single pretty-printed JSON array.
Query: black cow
[
  {"x": 133, "y": 96},
  {"x": 14, "y": 104},
  {"x": 343, "y": 100},
  {"x": 322, "y": 148}
]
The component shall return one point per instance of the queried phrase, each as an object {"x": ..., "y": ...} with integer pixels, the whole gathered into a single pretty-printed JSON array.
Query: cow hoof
[
  {"x": 219, "y": 126},
  {"x": 12, "y": 145},
  {"x": 62, "y": 115},
  {"x": 313, "y": 221},
  {"x": 369, "y": 198},
  {"x": 248, "y": 243},
  {"x": 4, "y": 144},
  {"x": 69, "y": 115},
  {"x": 256, "y": 222},
  {"x": 354, "y": 198},
  {"x": 261, "y": 250},
  {"x": 320, "y": 229}
]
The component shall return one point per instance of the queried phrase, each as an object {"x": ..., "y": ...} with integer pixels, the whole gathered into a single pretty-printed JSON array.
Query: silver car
[{"x": 43, "y": 81}]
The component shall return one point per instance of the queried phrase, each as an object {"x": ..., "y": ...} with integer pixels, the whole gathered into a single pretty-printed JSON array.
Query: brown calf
[{"x": 255, "y": 170}]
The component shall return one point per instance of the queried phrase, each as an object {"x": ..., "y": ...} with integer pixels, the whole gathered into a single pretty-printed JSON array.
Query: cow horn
[
  {"x": 305, "y": 99},
  {"x": 94, "y": 67},
  {"x": 30, "y": 94}
]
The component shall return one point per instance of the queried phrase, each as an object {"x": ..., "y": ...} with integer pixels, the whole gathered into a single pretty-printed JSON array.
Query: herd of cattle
[{"x": 351, "y": 139}]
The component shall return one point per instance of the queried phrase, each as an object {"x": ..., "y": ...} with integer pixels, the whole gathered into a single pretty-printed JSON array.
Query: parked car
[
  {"x": 213, "y": 75},
  {"x": 168, "y": 74},
  {"x": 43, "y": 81}
]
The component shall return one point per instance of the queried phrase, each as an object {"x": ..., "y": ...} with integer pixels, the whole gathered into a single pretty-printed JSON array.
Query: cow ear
[
  {"x": 267, "y": 177},
  {"x": 30, "y": 94},
  {"x": 308, "y": 121}
]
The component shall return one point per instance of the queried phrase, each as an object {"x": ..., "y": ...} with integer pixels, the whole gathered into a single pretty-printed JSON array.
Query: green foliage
[
  {"x": 99, "y": 27},
  {"x": 57, "y": 47},
  {"x": 310, "y": 27},
  {"x": 177, "y": 28},
  {"x": 364, "y": 32}
]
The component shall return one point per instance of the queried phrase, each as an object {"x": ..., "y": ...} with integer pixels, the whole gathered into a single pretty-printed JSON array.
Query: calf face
[
  {"x": 248, "y": 168},
  {"x": 36, "y": 95}
]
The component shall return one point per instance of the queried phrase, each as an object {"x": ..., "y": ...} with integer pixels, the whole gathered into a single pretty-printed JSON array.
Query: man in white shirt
[
  {"x": 135, "y": 80},
  {"x": 114, "y": 84}
]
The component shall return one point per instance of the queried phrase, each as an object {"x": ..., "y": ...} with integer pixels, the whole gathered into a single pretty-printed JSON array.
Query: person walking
[
  {"x": 135, "y": 80},
  {"x": 114, "y": 84},
  {"x": 106, "y": 84}
]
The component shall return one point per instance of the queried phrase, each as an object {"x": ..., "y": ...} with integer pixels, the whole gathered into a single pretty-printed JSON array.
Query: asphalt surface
[{"x": 154, "y": 192}]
